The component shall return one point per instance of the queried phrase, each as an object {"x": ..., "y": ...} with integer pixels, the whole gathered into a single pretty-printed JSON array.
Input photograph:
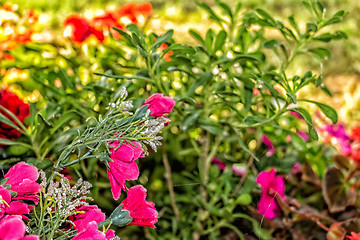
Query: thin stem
[{"x": 170, "y": 183}]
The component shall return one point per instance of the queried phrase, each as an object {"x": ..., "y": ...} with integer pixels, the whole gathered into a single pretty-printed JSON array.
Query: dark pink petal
[
  {"x": 27, "y": 190},
  {"x": 11, "y": 228},
  {"x": 268, "y": 206},
  {"x": 30, "y": 237},
  {"x": 5, "y": 194},
  {"x": 159, "y": 105},
  {"x": 90, "y": 232},
  {"x": 143, "y": 212},
  {"x": 119, "y": 172},
  {"x": 219, "y": 163},
  {"x": 19, "y": 208},
  {"x": 269, "y": 145},
  {"x": 123, "y": 153},
  {"x": 109, "y": 234},
  {"x": 21, "y": 171},
  {"x": 91, "y": 213}
]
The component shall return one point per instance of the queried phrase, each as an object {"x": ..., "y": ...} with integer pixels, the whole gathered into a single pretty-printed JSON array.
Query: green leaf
[
  {"x": 8, "y": 142},
  {"x": 189, "y": 121},
  {"x": 226, "y": 8},
  {"x": 65, "y": 80},
  {"x": 211, "y": 13},
  {"x": 271, "y": 44},
  {"x": 266, "y": 16},
  {"x": 197, "y": 36},
  {"x": 220, "y": 40},
  {"x": 326, "y": 109},
  {"x": 321, "y": 53},
  {"x": 251, "y": 120},
  {"x": 162, "y": 39},
  {"x": 213, "y": 129},
  {"x": 203, "y": 79},
  {"x": 209, "y": 39},
  {"x": 124, "y": 34},
  {"x": 333, "y": 20},
  {"x": 306, "y": 116},
  {"x": 311, "y": 27},
  {"x": 7, "y": 121}
]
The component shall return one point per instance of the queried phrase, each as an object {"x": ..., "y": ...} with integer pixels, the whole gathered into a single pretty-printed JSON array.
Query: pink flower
[
  {"x": 143, "y": 212},
  {"x": 269, "y": 145},
  {"x": 12, "y": 207},
  {"x": 90, "y": 213},
  {"x": 22, "y": 178},
  {"x": 271, "y": 185},
  {"x": 13, "y": 228},
  {"x": 123, "y": 166},
  {"x": 219, "y": 163},
  {"x": 303, "y": 135},
  {"x": 159, "y": 105},
  {"x": 91, "y": 232},
  {"x": 296, "y": 168}
]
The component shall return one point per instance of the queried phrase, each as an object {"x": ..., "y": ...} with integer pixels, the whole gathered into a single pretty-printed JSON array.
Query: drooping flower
[
  {"x": 143, "y": 212},
  {"x": 22, "y": 178},
  {"x": 13, "y": 228},
  {"x": 123, "y": 166},
  {"x": 354, "y": 236},
  {"x": 271, "y": 185},
  {"x": 219, "y": 163},
  {"x": 81, "y": 29},
  {"x": 159, "y": 105},
  {"x": 15, "y": 105},
  {"x": 91, "y": 232},
  {"x": 271, "y": 149}
]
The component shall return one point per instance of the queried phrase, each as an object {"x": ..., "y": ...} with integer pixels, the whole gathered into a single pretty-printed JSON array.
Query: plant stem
[{"x": 170, "y": 183}]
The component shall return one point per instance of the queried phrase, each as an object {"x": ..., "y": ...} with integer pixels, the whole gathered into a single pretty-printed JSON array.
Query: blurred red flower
[
  {"x": 21, "y": 110},
  {"x": 81, "y": 29}
]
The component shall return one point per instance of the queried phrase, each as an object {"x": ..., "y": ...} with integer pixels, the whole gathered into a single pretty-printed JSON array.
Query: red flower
[
  {"x": 82, "y": 29},
  {"x": 90, "y": 213},
  {"x": 107, "y": 22},
  {"x": 12, "y": 227},
  {"x": 355, "y": 134},
  {"x": 21, "y": 110},
  {"x": 133, "y": 10},
  {"x": 143, "y": 212},
  {"x": 123, "y": 166},
  {"x": 354, "y": 236}
]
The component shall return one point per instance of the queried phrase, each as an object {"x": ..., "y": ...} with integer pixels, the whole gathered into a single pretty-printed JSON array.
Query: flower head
[
  {"x": 143, "y": 212},
  {"x": 91, "y": 232},
  {"x": 87, "y": 214},
  {"x": 22, "y": 178},
  {"x": 219, "y": 163},
  {"x": 271, "y": 185},
  {"x": 81, "y": 29},
  {"x": 159, "y": 105},
  {"x": 15, "y": 105},
  {"x": 12, "y": 227},
  {"x": 123, "y": 166}
]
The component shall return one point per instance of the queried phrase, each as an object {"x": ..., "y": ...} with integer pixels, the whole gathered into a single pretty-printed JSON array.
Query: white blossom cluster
[
  {"x": 64, "y": 197},
  {"x": 152, "y": 129}
]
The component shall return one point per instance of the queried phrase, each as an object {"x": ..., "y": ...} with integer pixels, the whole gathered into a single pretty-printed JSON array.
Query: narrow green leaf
[
  {"x": 306, "y": 116},
  {"x": 203, "y": 79},
  {"x": 220, "y": 40},
  {"x": 162, "y": 39},
  {"x": 326, "y": 109},
  {"x": 271, "y": 44},
  {"x": 197, "y": 36}
]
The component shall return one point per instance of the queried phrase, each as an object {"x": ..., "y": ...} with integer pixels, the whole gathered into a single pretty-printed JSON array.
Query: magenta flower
[
  {"x": 338, "y": 132},
  {"x": 269, "y": 145},
  {"x": 13, "y": 228},
  {"x": 219, "y": 163},
  {"x": 143, "y": 212},
  {"x": 303, "y": 135},
  {"x": 22, "y": 178},
  {"x": 91, "y": 232},
  {"x": 123, "y": 166},
  {"x": 271, "y": 185},
  {"x": 296, "y": 168},
  {"x": 89, "y": 213},
  {"x": 159, "y": 105}
]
